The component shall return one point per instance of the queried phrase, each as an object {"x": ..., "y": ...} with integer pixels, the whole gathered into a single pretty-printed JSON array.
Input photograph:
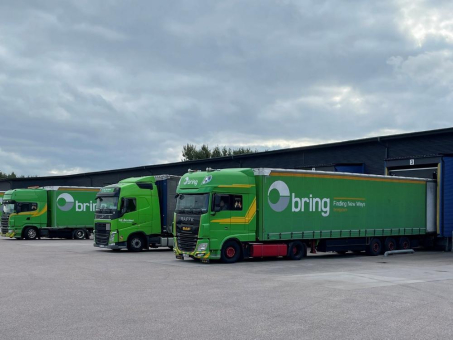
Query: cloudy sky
[{"x": 91, "y": 85}]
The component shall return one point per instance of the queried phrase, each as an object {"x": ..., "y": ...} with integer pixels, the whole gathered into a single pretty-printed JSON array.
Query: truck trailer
[
  {"x": 136, "y": 214},
  {"x": 65, "y": 212},
  {"x": 233, "y": 214}
]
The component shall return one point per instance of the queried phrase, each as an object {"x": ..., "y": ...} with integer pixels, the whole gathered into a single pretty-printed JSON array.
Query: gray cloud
[{"x": 88, "y": 85}]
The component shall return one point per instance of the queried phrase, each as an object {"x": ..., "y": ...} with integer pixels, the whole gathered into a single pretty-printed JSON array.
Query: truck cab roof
[{"x": 225, "y": 179}]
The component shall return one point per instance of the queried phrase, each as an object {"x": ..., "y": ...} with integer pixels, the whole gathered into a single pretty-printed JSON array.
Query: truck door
[
  {"x": 239, "y": 205},
  {"x": 221, "y": 221},
  {"x": 231, "y": 219},
  {"x": 129, "y": 214}
]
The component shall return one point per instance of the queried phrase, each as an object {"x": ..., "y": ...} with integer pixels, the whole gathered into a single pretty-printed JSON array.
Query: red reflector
[{"x": 268, "y": 250}]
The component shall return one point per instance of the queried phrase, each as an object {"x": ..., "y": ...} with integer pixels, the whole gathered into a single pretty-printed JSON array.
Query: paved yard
[{"x": 64, "y": 289}]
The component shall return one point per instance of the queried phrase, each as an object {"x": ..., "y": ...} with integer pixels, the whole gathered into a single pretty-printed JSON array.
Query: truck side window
[
  {"x": 230, "y": 202},
  {"x": 237, "y": 199},
  {"x": 130, "y": 204},
  {"x": 224, "y": 202},
  {"x": 24, "y": 207}
]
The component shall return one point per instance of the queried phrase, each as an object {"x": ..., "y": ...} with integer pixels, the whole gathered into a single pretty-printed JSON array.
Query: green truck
[
  {"x": 136, "y": 213},
  {"x": 233, "y": 214},
  {"x": 65, "y": 212}
]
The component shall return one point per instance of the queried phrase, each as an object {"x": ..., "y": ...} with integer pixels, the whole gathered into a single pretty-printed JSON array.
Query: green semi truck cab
[
  {"x": 136, "y": 213},
  {"x": 65, "y": 212},
  {"x": 233, "y": 214}
]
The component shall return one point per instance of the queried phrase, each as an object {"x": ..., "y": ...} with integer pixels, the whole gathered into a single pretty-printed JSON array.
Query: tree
[
  {"x": 190, "y": 152},
  {"x": 4, "y": 175}
]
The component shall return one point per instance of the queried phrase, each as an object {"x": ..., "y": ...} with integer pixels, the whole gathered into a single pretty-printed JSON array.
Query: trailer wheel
[
  {"x": 374, "y": 248},
  {"x": 297, "y": 250},
  {"x": 390, "y": 244},
  {"x": 135, "y": 243},
  {"x": 78, "y": 234},
  {"x": 231, "y": 252},
  {"x": 404, "y": 243},
  {"x": 30, "y": 233}
]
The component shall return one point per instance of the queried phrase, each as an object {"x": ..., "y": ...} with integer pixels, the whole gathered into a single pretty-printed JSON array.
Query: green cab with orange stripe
[{"x": 65, "y": 212}]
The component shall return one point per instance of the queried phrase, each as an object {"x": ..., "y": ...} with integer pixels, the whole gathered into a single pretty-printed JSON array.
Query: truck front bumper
[
  {"x": 203, "y": 255},
  {"x": 118, "y": 245},
  {"x": 10, "y": 234}
]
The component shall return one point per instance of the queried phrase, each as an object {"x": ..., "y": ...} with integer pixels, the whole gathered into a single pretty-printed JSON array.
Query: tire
[
  {"x": 404, "y": 243},
  {"x": 79, "y": 234},
  {"x": 30, "y": 233},
  {"x": 390, "y": 244},
  {"x": 297, "y": 250},
  {"x": 135, "y": 243},
  {"x": 231, "y": 252},
  {"x": 374, "y": 248}
]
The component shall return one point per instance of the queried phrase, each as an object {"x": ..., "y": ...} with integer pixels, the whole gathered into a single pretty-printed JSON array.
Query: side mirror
[
  {"x": 215, "y": 204},
  {"x": 122, "y": 207}
]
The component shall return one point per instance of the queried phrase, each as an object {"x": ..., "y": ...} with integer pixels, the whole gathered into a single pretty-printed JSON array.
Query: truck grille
[
  {"x": 101, "y": 235},
  {"x": 4, "y": 223},
  {"x": 186, "y": 241},
  {"x": 187, "y": 227}
]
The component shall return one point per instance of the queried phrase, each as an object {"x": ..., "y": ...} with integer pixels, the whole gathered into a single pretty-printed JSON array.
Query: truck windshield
[
  {"x": 8, "y": 208},
  {"x": 192, "y": 203},
  {"x": 106, "y": 204}
]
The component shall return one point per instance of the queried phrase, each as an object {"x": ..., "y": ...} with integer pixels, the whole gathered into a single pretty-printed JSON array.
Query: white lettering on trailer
[
  {"x": 91, "y": 206},
  {"x": 310, "y": 204}
]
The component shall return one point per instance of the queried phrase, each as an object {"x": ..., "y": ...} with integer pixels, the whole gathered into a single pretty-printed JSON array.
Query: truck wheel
[
  {"x": 231, "y": 252},
  {"x": 297, "y": 250},
  {"x": 374, "y": 248},
  {"x": 135, "y": 243},
  {"x": 31, "y": 233},
  {"x": 78, "y": 234},
  {"x": 390, "y": 244},
  {"x": 405, "y": 243}
]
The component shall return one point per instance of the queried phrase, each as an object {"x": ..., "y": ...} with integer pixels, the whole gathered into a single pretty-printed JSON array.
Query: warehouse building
[{"x": 418, "y": 154}]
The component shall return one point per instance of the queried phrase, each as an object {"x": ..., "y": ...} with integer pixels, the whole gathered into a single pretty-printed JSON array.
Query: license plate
[
  {"x": 186, "y": 256},
  {"x": 102, "y": 246}
]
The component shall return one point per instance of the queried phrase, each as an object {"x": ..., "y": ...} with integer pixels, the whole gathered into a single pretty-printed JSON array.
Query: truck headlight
[
  {"x": 202, "y": 247},
  {"x": 10, "y": 231},
  {"x": 112, "y": 237}
]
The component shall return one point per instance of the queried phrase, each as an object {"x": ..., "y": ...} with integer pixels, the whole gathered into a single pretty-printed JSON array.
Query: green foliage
[
  {"x": 4, "y": 175},
  {"x": 190, "y": 152}
]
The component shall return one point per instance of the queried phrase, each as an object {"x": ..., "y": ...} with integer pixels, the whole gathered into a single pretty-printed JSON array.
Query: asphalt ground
[{"x": 65, "y": 289}]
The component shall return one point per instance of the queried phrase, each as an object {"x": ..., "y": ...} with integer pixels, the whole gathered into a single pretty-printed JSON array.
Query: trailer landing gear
[{"x": 313, "y": 247}]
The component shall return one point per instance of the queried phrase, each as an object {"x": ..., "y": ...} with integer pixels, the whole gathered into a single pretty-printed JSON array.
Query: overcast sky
[{"x": 93, "y": 85}]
